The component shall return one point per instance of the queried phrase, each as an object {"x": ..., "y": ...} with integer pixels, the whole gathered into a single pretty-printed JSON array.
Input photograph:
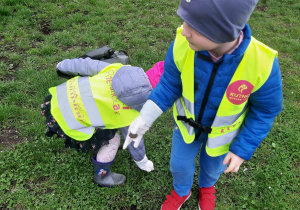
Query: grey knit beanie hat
[
  {"x": 218, "y": 20},
  {"x": 131, "y": 86}
]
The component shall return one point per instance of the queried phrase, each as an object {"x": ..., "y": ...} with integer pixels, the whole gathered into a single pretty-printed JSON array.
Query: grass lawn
[{"x": 38, "y": 173}]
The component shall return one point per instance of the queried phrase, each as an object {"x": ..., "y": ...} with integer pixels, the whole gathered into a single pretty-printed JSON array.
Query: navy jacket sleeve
[
  {"x": 169, "y": 87},
  {"x": 264, "y": 105}
]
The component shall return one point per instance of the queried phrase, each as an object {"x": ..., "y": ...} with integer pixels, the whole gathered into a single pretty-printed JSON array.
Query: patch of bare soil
[
  {"x": 45, "y": 27},
  {"x": 10, "y": 137},
  {"x": 261, "y": 8}
]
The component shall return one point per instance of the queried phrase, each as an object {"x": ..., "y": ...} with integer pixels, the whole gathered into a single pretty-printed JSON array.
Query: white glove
[
  {"x": 135, "y": 132},
  {"x": 148, "y": 114},
  {"x": 145, "y": 164}
]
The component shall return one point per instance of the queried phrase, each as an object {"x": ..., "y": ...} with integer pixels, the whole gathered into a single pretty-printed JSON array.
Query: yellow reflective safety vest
[
  {"x": 83, "y": 103},
  {"x": 252, "y": 72}
]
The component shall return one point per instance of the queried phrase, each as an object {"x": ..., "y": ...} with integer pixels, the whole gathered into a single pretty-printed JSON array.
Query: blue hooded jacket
[{"x": 264, "y": 104}]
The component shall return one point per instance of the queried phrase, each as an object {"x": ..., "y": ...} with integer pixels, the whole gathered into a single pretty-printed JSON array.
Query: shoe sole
[
  {"x": 182, "y": 203},
  {"x": 109, "y": 186}
]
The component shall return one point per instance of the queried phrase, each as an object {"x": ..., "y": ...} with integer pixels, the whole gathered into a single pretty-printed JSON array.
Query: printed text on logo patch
[{"x": 239, "y": 91}]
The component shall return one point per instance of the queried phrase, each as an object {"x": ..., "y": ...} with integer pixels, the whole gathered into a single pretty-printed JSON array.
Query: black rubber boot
[{"x": 104, "y": 177}]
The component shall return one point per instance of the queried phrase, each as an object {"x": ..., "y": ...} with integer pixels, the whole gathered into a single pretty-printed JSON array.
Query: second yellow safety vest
[
  {"x": 252, "y": 72},
  {"x": 83, "y": 103}
]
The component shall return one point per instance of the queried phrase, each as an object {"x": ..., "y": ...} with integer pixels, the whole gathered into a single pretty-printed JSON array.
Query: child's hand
[
  {"x": 235, "y": 162},
  {"x": 145, "y": 164},
  {"x": 135, "y": 132}
]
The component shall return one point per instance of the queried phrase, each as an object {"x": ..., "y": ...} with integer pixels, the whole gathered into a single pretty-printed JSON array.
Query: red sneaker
[
  {"x": 174, "y": 201},
  {"x": 207, "y": 198}
]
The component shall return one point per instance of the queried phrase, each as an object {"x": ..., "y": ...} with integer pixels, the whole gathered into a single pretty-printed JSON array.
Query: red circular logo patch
[{"x": 239, "y": 91}]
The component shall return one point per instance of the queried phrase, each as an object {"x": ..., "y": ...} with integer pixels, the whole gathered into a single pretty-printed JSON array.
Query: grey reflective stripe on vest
[
  {"x": 66, "y": 111},
  {"x": 228, "y": 120},
  {"x": 89, "y": 102},
  {"x": 181, "y": 112},
  {"x": 228, "y": 137},
  {"x": 189, "y": 105},
  {"x": 223, "y": 139}
]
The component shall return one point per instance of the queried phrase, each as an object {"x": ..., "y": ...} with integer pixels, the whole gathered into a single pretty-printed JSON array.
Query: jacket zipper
[{"x": 208, "y": 89}]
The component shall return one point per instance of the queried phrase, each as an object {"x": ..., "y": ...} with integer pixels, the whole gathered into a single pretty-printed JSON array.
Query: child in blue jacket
[{"x": 226, "y": 89}]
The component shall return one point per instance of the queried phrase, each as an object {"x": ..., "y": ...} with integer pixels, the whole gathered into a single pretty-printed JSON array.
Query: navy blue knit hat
[{"x": 218, "y": 20}]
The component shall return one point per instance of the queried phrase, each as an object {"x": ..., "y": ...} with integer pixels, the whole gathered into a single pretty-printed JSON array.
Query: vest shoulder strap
[
  {"x": 261, "y": 58},
  {"x": 181, "y": 49}
]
